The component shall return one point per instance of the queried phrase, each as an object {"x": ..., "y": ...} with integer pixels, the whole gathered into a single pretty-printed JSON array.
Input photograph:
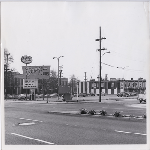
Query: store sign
[
  {"x": 36, "y": 72},
  {"x": 135, "y": 84},
  {"x": 26, "y": 59},
  {"x": 30, "y": 83}
]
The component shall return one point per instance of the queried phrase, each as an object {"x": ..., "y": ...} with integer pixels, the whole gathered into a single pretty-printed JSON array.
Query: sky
[{"x": 44, "y": 30}]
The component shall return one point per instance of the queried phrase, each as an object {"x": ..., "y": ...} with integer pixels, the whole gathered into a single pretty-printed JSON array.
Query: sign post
[
  {"x": 26, "y": 60},
  {"x": 31, "y": 84},
  {"x": 37, "y": 72}
]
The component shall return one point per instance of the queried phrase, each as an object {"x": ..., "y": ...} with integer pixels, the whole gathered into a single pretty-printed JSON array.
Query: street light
[
  {"x": 101, "y": 38},
  {"x": 58, "y": 72},
  {"x": 105, "y": 53}
]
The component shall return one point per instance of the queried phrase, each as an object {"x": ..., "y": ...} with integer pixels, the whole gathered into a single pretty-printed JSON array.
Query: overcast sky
[{"x": 45, "y": 30}]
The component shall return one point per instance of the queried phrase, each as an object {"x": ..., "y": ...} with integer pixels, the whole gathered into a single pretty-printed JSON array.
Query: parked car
[
  {"x": 82, "y": 95},
  {"x": 9, "y": 96},
  {"x": 41, "y": 96},
  {"x": 47, "y": 95},
  {"x": 123, "y": 94},
  {"x": 53, "y": 95},
  {"x": 142, "y": 97},
  {"x": 23, "y": 96},
  {"x": 92, "y": 94},
  {"x": 15, "y": 96},
  {"x": 133, "y": 94}
]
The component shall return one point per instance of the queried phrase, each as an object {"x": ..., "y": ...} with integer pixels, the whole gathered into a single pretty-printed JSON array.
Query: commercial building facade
[{"x": 112, "y": 86}]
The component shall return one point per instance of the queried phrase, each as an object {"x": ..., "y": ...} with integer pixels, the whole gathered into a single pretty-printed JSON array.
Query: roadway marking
[
  {"x": 130, "y": 132},
  {"x": 140, "y": 134},
  {"x": 28, "y": 119},
  {"x": 26, "y": 124},
  {"x": 32, "y": 138}
]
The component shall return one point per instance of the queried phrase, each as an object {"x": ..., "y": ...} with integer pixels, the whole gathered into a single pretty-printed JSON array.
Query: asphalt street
[{"x": 30, "y": 123}]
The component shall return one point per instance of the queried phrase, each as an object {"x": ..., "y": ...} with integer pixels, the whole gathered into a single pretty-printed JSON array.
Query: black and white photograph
[{"x": 74, "y": 74}]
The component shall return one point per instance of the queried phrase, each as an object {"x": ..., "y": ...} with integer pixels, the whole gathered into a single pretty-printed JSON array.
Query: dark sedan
[
  {"x": 82, "y": 95},
  {"x": 123, "y": 94}
]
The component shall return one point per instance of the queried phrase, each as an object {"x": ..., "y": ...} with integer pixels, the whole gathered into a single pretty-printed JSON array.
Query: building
[
  {"x": 14, "y": 84},
  {"x": 112, "y": 86}
]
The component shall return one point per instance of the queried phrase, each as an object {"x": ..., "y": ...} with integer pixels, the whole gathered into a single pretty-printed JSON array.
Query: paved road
[{"x": 29, "y": 123}]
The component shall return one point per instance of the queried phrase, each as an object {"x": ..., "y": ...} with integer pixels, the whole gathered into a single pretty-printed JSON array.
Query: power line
[{"x": 120, "y": 67}]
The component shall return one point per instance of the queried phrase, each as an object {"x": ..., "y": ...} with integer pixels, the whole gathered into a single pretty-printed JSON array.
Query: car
[
  {"x": 133, "y": 94},
  {"x": 82, "y": 95},
  {"x": 15, "y": 96},
  {"x": 53, "y": 95},
  {"x": 40, "y": 95},
  {"x": 142, "y": 97},
  {"x": 9, "y": 96},
  {"x": 123, "y": 94},
  {"x": 23, "y": 96},
  {"x": 47, "y": 95},
  {"x": 92, "y": 94}
]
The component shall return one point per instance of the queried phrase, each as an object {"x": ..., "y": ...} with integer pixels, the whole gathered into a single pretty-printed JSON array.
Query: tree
[
  {"x": 49, "y": 85},
  {"x": 8, "y": 59}
]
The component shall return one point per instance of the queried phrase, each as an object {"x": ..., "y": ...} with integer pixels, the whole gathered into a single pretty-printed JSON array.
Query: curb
[{"x": 109, "y": 116}]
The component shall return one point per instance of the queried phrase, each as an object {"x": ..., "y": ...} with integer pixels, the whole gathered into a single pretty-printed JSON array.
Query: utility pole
[
  {"x": 85, "y": 83},
  {"x": 60, "y": 74},
  {"x": 6, "y": 73},
  {"x": 72, "y": 87},
  {"x": 100, "y": 38}
]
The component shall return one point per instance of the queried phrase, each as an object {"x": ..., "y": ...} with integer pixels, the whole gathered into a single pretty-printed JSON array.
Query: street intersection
[{"x": 40, "y": 123}]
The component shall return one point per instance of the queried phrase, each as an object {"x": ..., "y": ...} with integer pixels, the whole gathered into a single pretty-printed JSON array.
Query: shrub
[
  {"x": 83, "y": 111},
  {"x": 117, "y": 114},
  {"x": 92, "y": 112},
  {"x": 103, "y": 112}
]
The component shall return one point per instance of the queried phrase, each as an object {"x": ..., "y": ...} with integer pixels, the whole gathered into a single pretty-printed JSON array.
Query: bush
[
  {"x": 117, "y": 114},
  {"x": 103, "y": 112},
  {"x": 83, "y": 111},
  {"x": 92, "y": 112}
]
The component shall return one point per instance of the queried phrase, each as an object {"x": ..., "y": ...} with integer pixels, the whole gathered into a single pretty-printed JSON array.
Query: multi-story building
[{"x": 112, "y": 86}]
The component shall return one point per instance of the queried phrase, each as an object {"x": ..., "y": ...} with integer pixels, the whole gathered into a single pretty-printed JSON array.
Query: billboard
[
  {"x": 64, "y": 89},
  {"x": 30, "y": 83},
  {"x": 36, "y": 72}
]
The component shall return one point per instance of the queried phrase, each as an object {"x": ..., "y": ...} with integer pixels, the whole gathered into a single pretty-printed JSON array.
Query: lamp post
[
  {"x": 101, "y": 38},
  {"x": 105, "y": 53},
  {"x": 58, "y": 72}
]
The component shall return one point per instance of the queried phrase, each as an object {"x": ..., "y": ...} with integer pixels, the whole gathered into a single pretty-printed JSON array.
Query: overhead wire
[{"x": 120, "y": 67}]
